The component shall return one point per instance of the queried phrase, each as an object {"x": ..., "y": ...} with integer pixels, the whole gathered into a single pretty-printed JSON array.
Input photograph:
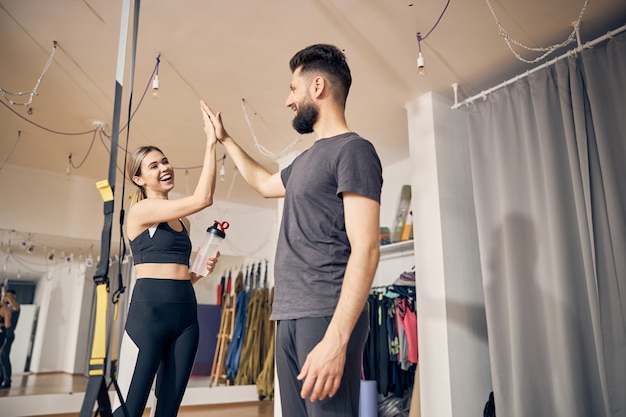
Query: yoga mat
[{"x": 368, "y": 401}]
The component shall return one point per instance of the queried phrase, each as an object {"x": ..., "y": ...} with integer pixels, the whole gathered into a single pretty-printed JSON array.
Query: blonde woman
[{"x": 161, "y": 333}]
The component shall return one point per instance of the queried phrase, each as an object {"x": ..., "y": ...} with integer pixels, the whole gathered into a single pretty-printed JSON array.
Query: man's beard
[{"x": 306, "y": 117}]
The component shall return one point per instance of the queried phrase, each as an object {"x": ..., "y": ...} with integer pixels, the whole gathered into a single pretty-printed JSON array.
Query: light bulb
[
  {"x": 155, "y": 86},
  {"x": 68, "y": 168},
  {"x": 421, "y": 69}
]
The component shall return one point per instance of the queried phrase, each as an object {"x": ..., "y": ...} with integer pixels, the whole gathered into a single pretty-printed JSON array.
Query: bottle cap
[{"x": 218, "y": 229}]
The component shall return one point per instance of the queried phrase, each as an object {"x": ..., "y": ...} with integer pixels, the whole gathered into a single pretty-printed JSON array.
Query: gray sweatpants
[{"x": 294, "y": 340}]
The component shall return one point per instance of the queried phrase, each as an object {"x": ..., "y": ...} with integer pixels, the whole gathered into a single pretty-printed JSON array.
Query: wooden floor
[
  {"x": 48, "y": 383},
  {"x": 54, "y": 383},
  {"x": 260, "y": 409}
]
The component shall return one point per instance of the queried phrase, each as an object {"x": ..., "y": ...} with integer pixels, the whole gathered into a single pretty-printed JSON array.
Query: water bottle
[{"x": 213, "y": 237}]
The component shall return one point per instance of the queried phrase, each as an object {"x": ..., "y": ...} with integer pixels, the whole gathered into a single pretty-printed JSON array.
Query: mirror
[{"x": 53, "y": 278}]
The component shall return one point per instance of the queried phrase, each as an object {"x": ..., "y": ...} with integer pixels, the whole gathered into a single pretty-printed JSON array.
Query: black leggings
[
  {"x": 5, "y": 356},
  {"x": 161, "y": 334}
]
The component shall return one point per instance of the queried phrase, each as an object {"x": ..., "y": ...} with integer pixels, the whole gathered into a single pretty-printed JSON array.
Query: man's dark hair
[
  {"x": 330, "y": 61},
  {"x": 12, "y": 291}
]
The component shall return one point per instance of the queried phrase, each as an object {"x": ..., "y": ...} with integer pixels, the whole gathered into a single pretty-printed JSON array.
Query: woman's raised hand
[
  {"x": 215, "y": 121},
  {"x": 209, "y": 128}
]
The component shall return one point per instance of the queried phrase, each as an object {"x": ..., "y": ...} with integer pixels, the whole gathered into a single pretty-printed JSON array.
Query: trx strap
[{"x": 97, "y": 387}]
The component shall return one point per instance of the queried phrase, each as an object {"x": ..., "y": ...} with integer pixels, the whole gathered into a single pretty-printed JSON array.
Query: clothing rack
[
  {"x": 389, "y": 358},
  {"x": 483, "y": 94}
]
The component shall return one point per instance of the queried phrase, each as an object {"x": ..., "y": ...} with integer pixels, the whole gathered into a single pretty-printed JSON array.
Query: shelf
[{"x": 396, "y": 249}]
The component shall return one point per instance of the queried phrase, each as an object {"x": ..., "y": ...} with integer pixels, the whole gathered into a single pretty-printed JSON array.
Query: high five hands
[{"x": 212, "y": 123}]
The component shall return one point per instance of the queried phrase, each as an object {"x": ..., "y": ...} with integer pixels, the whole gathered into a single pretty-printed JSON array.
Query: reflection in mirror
[{"x": 56, "y": 327}]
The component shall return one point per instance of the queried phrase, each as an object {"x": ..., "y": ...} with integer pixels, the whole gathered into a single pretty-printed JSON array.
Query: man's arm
[
  {"x": 323, "y": 369},
  {"x": 267, "y": 184}
]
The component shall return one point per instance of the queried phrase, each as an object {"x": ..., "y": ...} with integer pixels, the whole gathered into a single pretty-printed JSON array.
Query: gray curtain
[{"x": 548, "y": 156}]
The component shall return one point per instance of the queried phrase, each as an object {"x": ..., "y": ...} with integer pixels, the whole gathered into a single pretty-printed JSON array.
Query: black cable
[
  {"x": 420, "y": 38},
  {"x": 95, "y": 130},
  {"x": 43, "y": 127},
  {"x": 93, "y": 139}
]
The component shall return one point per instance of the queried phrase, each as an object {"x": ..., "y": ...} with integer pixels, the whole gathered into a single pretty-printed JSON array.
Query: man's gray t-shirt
[{"x": 313, "y": 246}]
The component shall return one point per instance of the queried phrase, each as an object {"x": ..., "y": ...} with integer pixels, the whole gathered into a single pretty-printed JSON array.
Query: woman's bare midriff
[{"x": 166, "y": 271}]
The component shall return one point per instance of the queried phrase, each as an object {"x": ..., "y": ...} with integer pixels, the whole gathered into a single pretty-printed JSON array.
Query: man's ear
[{"x": 318, "y": 86}]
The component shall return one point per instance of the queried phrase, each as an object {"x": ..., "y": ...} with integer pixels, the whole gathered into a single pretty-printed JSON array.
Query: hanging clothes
[
  {"x": 390, "y": 353},
  {"x": 234, "y": 349},
  {"x": 408, "y": 320},
  {"x": 265, "y": 381},
  {"x": 256, "y": 342},
  {"x": 249, "y": 362}
]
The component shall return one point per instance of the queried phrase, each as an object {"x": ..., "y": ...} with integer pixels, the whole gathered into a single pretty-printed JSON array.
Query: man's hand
[{"x": 323, "y": 369}]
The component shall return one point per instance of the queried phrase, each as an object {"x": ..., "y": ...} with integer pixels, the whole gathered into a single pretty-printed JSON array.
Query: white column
[{"x": 453, "y": 351}]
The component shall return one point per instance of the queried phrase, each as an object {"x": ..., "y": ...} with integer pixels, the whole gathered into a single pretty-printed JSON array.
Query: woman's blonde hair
[{"x": 133, "y": 168}]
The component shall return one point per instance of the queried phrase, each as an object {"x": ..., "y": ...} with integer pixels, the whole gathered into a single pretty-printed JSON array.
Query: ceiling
[{"x": 226, "y": 51}]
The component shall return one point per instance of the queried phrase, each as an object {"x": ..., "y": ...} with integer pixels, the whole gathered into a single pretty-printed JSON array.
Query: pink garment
[{"x": 409, "y": 323}]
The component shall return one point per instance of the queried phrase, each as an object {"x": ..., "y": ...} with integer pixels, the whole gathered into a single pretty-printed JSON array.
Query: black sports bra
[{"x": 161, "y": 245}]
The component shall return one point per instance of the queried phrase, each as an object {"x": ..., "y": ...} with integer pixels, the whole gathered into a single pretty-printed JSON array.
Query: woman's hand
[
  {"x": 210, "y": 265},
  {"x": 215, "y": 119},
  {"x": 209, "y": 129},
  {"x": 211, "y": 262}
]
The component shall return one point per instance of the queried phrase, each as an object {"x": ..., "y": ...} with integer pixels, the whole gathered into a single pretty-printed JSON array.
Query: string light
[
  {"x": 155, "y": 86},
  {"x": 546, "y": 50},
  {"x": 98, "y": 129},
  {"x": 262, "y": 148},
  {"x": 223, "y": 169},
  {"x": 32, "y": 92},
  {"x": 37, "y": 257},
  {"x": 155, "y": 82},
  {"x": 421, "y": 67},
  {"x": 421, "y": 70},
  {"x": 68, "y": 168}
]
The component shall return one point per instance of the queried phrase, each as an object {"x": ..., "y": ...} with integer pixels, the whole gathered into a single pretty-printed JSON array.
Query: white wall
[
  {"x": 48, "y": 203},
  {"x": 394, "y": 177},
  {"x": 395, "y": 262},
  {"x": 60, "y": 297},
  {"x": 20, "y": 348}
]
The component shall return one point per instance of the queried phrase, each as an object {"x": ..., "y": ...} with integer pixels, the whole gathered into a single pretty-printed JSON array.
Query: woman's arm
[{"x": 151, "y": 211}]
